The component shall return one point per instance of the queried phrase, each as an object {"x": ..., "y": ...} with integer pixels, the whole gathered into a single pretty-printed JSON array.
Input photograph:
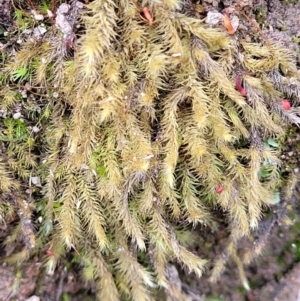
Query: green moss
[
  {"x": 260, "y": 16},
  {"x": 213, "y": 298}
]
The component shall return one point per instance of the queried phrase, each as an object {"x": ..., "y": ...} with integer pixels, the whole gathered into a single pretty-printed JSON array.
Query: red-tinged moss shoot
[
  {"x": 147, "y": 15},
  {"x": 49, "y": 253},
  {"x": 219, "y": 189},
  {"x": 239, "y": 87},
  {"x": 286, "y": 105},
  {"x": 228, "y": 25}
]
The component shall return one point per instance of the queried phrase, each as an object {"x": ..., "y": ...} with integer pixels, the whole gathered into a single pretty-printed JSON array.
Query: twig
[
  {"x": 256, "y": 26},
  {"x": 60, "y": 284}
]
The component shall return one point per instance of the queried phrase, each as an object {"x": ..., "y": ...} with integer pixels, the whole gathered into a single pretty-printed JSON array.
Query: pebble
[
  {"x": 33, "y": 298},
  {"x": 36, "y": 181},
  {"x": 35, "y": 129},
  {"x": 17, "y": 115},
  {"x": 213, "y": 18}
]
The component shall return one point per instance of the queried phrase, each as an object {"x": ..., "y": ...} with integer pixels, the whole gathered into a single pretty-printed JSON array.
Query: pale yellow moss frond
[
  {"x": 195, "y": 210},
  {"x": 170, "y": 4},
  {"x": 229, "y": 191},
  {"x": 158, "y": 230},
  {"x": 147, "y": 199},
  {"x": 257, "y": 50},
  {"x": 157, "y": 64},
  {"x": 22, "y": 57},
  {"x": 159, "y": 258},
  {"x": 97, "y": 269},
  {"x": 170, "y": 132},
  {"x": 229, "y": 154},
  {"x": 160, "y": 243},
  {"x": 19, "y": 257},
  {"x": 112, "y": 168},
  {"x": 100, "y": 33},
  {"x": 110, "y": 71},
  {"x": 255, "y": 156},
  {"x": 195, "y": 143},
  {"x": 135, "y": 276},
  {"x": 263, "y": 65},
  {"x": 218, "y": 269},
  {"x": 220, "y": 126},
  {"x": 219, "y": 82},
  {"x": 290, "y": 86},
  {"x": 211, "y": 171},
  {"x": 92, "y": 213},
  {"x": 6, "y": 181},
  {"x": 200, "y": 105},
  {"x": 191, "y": 261},
  {"x": 213, "y": 38},
  {"x": 169, "y": 35},
  {"x": 8, "y": 97},
  {"x": 69, "y": 221},
  {"x": 263, "y": 58},
  {"x": 238, "y": 215},
  {"x": 239, "y": 123},
  {"x": 131, "y": 224},
  {"x": 57, "y": 251},
  {"x": 137, "y": 149}
]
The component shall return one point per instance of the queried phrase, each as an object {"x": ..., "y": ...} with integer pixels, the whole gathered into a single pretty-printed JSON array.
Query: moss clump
[{"x": 117, "y": 132}]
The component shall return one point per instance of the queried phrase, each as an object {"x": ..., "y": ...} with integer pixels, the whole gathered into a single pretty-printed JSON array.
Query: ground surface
[
  {"x": 273, "y": 276},
  {"x": 276, "y": 274}
]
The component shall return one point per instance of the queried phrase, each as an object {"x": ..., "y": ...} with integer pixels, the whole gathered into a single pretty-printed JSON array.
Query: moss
[
  {"x": 260, "y": 16},
  {"x": 214, "y": 298},
  {"x": 128, "y": 131}
]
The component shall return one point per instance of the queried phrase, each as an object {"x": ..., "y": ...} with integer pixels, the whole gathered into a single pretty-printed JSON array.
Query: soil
[{"x": 275, "y": 275}]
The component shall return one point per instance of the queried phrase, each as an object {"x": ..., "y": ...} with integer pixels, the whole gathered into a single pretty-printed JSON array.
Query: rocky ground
[{"x": 275, "y": 274}]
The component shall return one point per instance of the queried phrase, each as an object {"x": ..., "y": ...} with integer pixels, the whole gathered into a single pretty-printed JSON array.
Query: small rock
[
  {"x": 24, "y": 93},
  {"x": 17, "y": 115},
  {"x": 50, "y": 13},
  {"x": 37, "y": 16},
  {"x": 84, "y": 166},
  {"x": 235, "y": 22},
  {"x": 3, "y": 113},
  {"x": 80, "y": 5},
  {"x": 27, "y": 31},
  {"x": 213, "y": 18},
  {"x": 35, "y": 129},
  {"x": 28, "y": 86},
  {"x": 55, "y": 94},
  {"x": 63, "y": 24},
  {"x": 63, "y": 8},
  {"x": 36, "y": 181},
  {"x": 244, "y": 3},
  {"x": 39, "y": 31}
]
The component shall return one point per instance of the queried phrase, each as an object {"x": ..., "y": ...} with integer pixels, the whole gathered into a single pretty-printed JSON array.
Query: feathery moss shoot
[{"x": 122, "y": 122}]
